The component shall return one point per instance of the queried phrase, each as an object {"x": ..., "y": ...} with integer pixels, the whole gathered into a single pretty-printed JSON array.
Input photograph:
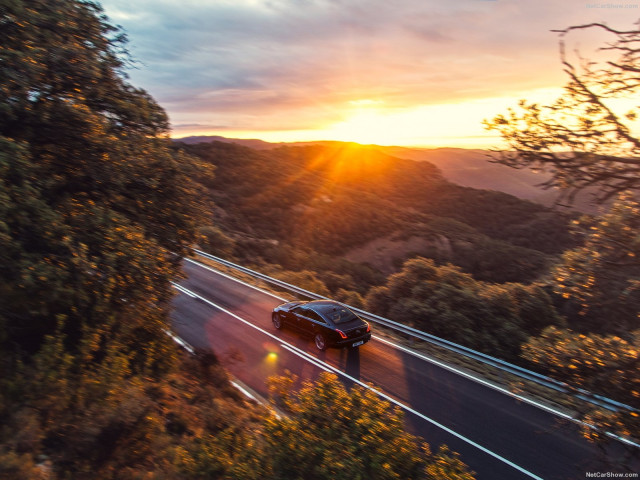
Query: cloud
[{"x": 242, "y": 63}]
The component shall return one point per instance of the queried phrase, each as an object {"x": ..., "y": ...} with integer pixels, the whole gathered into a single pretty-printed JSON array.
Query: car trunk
[{"x": 354, "y": 328}]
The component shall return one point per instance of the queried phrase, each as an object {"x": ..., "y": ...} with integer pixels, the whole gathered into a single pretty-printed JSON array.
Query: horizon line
[{"x": 408, "y": 146}]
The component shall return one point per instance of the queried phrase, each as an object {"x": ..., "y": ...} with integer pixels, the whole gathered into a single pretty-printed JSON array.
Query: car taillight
[
  {"x": 342, "y": 334},
  {"x": 368, "y": 328}
]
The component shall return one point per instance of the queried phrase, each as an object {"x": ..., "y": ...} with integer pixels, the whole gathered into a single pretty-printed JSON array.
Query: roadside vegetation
[
  {"x": 583, "y": 141},
  {"x": 505, "y": 276},
  {"x": 96, "y": 210}
]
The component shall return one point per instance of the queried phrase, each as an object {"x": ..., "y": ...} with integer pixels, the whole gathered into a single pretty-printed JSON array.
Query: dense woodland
[
  {"x": 334, "y": 200},
  {"x": 306, "y": 209},
  {"x": 552, "y": 291},
  {"x": 96, "y": 211},
  {"x": 98, "y": 205}
]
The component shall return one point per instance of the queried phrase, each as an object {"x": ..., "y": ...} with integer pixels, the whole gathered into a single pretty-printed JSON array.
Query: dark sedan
[{"x": 331, "y": 324}]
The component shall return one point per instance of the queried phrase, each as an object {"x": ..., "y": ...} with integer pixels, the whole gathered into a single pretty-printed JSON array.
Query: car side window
[
  {"x": 299, "y": 311},
  {"x": 314, "y": 316}
]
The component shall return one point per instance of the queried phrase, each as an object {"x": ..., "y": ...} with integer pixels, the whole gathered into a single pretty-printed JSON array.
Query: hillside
[
  {"x": 97, "y": 211},
  {"x": 475, "y": 168},
  {"x": 362, "y": 205},
  {"x": 465, "y": 167}
]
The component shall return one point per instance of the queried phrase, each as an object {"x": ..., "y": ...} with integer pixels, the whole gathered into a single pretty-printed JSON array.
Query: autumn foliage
[
  {"x": 97, "y": 210},
  {"x": 585, "y": 141}
]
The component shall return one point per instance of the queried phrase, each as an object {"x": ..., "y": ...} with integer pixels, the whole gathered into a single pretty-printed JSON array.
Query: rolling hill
[
  {"x": 466, "y": 167},
  {"x": 363, "y": 206}
]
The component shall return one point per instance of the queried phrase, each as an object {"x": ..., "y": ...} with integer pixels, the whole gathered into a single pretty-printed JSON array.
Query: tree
[
  {"x": 350, "y": 297},
  {"x": 447, "y": 302},
  {"x": 584, "y": 141},
  {"x": 603, "y": 275},
  {"x": 215, "y": 241},
  {"x": 305, "y": 279},
  {"x": 581, "y": 138},
  {"x": 97, "y": 209},
  {"x": 605, "y": 365},
  {"x": 332, "y": 433}
]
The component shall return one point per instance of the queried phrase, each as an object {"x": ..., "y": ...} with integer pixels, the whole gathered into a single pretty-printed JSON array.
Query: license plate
[{"x": 357, "y": 344}]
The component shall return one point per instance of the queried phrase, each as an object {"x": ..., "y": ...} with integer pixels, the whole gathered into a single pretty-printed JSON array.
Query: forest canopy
[{"x": 97, "y": 210}]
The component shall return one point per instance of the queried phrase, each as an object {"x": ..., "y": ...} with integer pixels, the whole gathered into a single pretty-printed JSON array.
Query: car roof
[
  {"x": 328, "y": 308},
  {"x": 323, "y": 305}
]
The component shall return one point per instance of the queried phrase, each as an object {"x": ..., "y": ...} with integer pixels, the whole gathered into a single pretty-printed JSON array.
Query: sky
[{"x": 405, "y": 72}]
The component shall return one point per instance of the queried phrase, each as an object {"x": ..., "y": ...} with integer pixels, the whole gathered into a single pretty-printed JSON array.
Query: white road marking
[
  {"x": 436, "y": 362},
  {"x": 327, "y": 367},
  {"x": 183, "y": 290},
  {"x": 414, "y": 353},
  {"x": 476, "y": 379},
  {"x": 244, "y": 391},
  {"x": 304, "y": 355},
  {"x": 180, "y": 341}
]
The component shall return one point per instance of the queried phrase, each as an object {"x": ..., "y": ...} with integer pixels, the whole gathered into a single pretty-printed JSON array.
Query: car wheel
[
  {"x": 321, "y": 342},
  {"x": 277, "y": 321}
]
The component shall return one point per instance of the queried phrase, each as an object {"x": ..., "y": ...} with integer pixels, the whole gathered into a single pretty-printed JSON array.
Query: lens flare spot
[{"x": 272, "y": 357}]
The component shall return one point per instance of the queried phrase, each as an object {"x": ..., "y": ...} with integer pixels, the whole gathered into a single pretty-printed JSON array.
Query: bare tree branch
[{"x": 580, "y": 139}]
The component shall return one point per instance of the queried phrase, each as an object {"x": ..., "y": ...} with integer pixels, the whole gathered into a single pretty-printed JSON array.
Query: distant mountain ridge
[
  {"x": 358, "y": 203},
  {"x": 466, "y": 167},
  {"x": 245, "y": 142}
]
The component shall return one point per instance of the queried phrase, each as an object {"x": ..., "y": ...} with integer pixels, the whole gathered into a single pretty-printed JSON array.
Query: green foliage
[
  {"x": 215, "y": 241},
  {"x": 447, "y": 464},
  {"x": 349, "y": 297},
  {"x": 332, "y": 433},
  {"x": 336, "y": 273},
  {"x": 603, "y": 275},
  {"x": 503, "y": 217},
  {"x": 330, "y": 200},
  {"x": 95, "y": 211},
  {"x": 15, "y": 466},
  {"x": 583, "y": 142},
  {"x": 606, "y": 365},
  {"x": 94, "y": 202},
  {"x": 100, "y": 422},
  {"x": 304, "y": 279},
  {"x": 447, "y": 302},
  {"x": 482, "y": 256}
]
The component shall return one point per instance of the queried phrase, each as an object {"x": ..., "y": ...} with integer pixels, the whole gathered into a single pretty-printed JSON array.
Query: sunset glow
[
  {"x": 372, "y": 122},
  {"x": 423, "y": 73}
]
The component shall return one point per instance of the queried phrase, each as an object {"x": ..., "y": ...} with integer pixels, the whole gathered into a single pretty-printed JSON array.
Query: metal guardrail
[{"x": 502, "y": 365}]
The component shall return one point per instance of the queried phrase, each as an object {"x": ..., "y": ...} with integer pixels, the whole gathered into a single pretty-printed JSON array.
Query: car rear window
[{"x": 336, "y": 314}]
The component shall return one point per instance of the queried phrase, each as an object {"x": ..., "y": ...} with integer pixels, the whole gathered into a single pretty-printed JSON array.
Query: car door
[
  {"x": 305, "y": 320},
  {"x": 314, "y": 323},
  {"x": 296, "y": 316}
]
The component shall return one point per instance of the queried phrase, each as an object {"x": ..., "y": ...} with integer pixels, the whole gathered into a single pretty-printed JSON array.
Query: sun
[
  {"x": 365, "y": 128},
  {"x": 376, "y": 121},
  {"x": 366, "y": 123},
  {"x": 426, "y": 125}
]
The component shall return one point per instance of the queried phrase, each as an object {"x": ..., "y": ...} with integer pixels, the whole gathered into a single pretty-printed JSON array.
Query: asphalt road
[{"x": 498, "y": 436}]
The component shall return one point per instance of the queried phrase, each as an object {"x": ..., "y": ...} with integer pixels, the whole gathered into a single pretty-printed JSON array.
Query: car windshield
[{"x": 336, "y": 313}]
